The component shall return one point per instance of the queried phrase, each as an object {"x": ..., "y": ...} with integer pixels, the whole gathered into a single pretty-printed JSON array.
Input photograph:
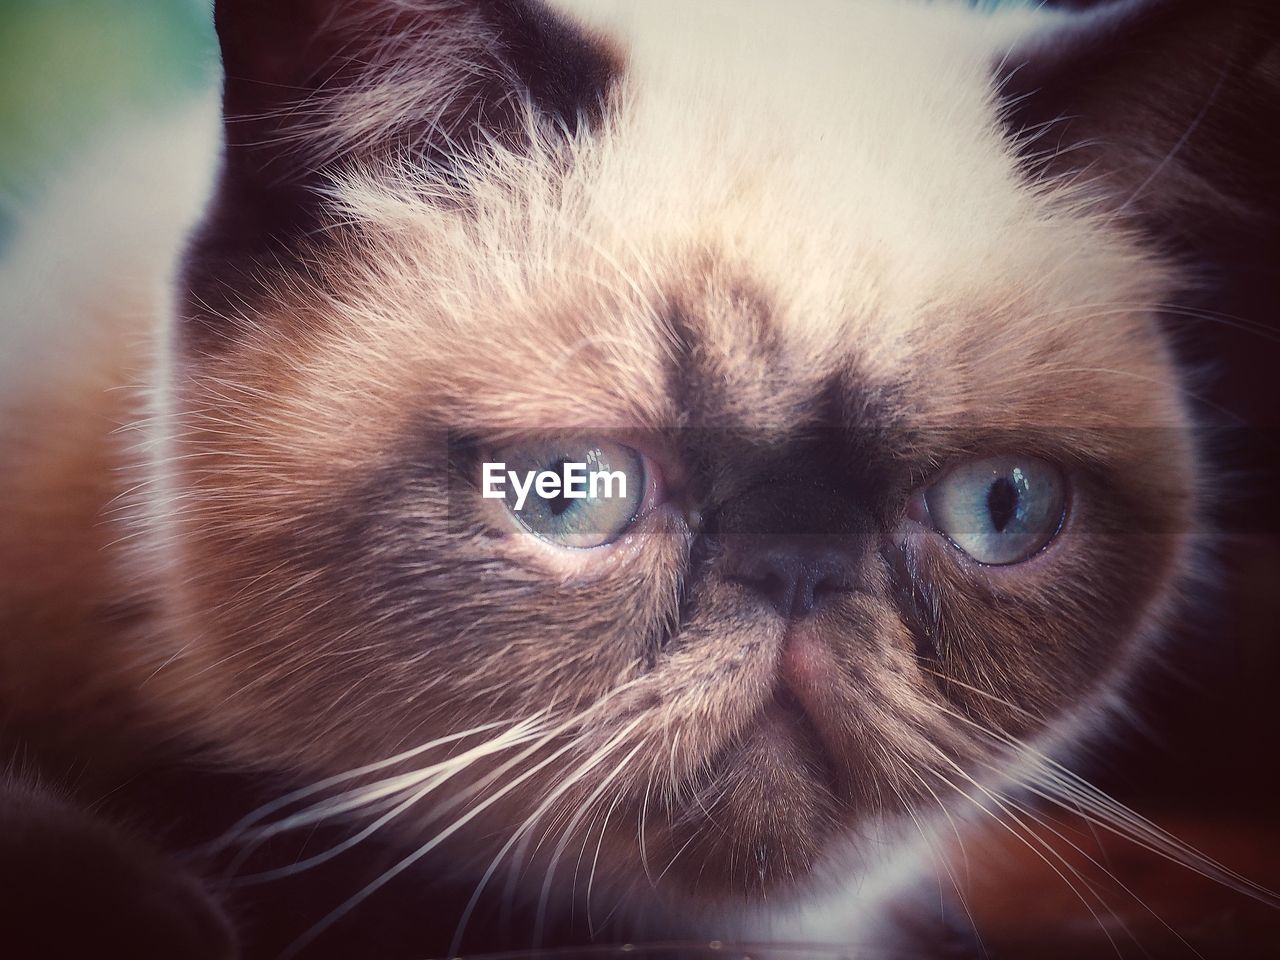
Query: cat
[{"x": 863, "y": 300}]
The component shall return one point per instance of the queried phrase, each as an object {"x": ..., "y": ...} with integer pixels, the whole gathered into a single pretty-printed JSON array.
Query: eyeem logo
[{"x": 573, "y": 482}]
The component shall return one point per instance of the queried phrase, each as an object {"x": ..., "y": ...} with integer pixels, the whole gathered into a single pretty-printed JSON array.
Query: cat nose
[{"x": 794, "y": 577}]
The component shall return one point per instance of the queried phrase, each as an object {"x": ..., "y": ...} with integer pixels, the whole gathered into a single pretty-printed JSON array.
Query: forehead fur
[{"x": 884, "y": 237}]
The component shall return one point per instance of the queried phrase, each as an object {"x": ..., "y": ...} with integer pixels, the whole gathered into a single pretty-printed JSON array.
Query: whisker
[
  {"x": 391, "y": 789},
  {"x": 955, "y": 830},
  {"x": 595, "y": 860},
  {"x": 642, "y": 816},
  {"x": 240, "y": 827},
  {"x": 406, "y": 862},
  {"x": 1055, "y": 781},
  {"x": 1027, "y": 714},
  {"x": 1026, "y": 840},
  {"x": 929, "y": 844},
  {"x": 1044, "y": 822},
  {"x": 544, "y": 896},
  {"x": 530, "y": 821}
]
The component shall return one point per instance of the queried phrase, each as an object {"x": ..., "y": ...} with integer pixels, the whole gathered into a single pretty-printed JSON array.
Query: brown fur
[{"x": 331, "y": 589}]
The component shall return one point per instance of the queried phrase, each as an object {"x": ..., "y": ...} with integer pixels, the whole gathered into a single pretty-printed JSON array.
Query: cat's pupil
[
  {"x": 559, "y": 503},
  {"x": 1002, "y": 503}
]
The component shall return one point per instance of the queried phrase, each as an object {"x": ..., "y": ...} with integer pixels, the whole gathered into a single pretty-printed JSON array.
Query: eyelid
[{"x": 655, "y": 485}]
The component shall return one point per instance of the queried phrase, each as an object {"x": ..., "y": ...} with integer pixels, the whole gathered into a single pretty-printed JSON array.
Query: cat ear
[
  {"x": 307, "y": 81},
  {"x": 311, "y": 85},
  {"x": 1169, "y": 108}
]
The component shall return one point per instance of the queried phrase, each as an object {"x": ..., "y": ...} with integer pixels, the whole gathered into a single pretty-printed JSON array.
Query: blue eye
[
  {"x": 591, "y": 494},
  {"x": 999, "y": 510}
]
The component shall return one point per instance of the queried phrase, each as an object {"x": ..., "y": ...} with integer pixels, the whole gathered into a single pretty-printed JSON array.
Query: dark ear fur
[
  {"x": 1175, "y": 103},
  {"x": 293, "y": 68},
  {"x": 1170, "y": 110},
  {"x": 311, "y": 84}
]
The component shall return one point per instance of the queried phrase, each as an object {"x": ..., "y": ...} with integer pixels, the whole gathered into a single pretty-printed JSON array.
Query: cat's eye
[
  {"x": 999, "y": 510},
  {"x": 575, "y": 493}
]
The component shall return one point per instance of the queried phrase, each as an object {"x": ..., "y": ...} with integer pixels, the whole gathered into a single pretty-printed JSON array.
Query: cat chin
[
  {"x": 758, "y": 895},
  {"x": 763, "y": 829}
]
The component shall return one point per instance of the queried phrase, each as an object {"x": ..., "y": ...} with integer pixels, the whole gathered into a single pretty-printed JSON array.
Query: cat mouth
[
  {"x": 799, "y": 707},
  {"x": 791, "y": 723},
  {"x": 786, "y": 709}
]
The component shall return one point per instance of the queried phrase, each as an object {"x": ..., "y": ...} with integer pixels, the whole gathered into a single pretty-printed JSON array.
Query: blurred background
[
  {"x": 68, "y": 67},
  {"x": 1202, "y": 762}
]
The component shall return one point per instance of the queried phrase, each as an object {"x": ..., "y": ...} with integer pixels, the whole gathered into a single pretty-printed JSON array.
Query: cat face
[{"x": 910, "y": 477}]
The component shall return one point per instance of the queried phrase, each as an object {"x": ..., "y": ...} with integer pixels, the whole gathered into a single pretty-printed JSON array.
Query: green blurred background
[{"x": 69, "y": 66}]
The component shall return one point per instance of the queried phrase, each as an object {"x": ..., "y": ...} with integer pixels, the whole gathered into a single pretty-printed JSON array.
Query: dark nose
[
  {"x": 794, "y": 577},
  {"x": 794, "y": 541}
]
